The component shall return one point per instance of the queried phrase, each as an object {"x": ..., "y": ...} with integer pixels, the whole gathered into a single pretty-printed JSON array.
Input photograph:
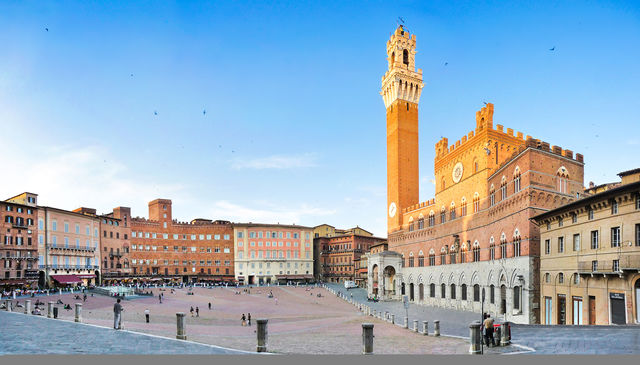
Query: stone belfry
[{"x": 401, "y": 88}]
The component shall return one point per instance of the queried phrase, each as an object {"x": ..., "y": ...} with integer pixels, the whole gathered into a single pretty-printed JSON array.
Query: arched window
[
  {"x": 443, "y": 289},
  {"x": 476, "y": 202},
  {"x": 432, "y": 259},
  {"x": 475, "y": 165},
  {"x": 410, "y": 259},
  {"x": 453, "y": 291},
  {"x": 432, "y": 290},
  {"x": 421, "y": 222},
  {"x": 476, "y": 251},
  {"x": 476, "y": 293},
  {"x": 503, "y": 188},
  {"x": 516, "y": 243},
  {"x": 560, "y": 278},
  {"x": 547, "y": 277},
  {"x": 463, "y": 207},
  {"x": 562, "y": 177},
  {"x": 463, "y": 294},
  {"x": 516, "y": 297},
  {"x": 432, "y": 218},
  {"x": 420, "y": 259},
  {"x": 492, "y": 294},
  {"x": 492, "y": 195},
  {"x": 411, "y": 224},
  {"x": 405, "y": 57},
  {"x": 503, "y": 246},
  {"x": 443, "y": 255},
  {"x": 463, "y": 254},
  {"x": 516, "y": 180},
  {"x": 452, "y": 210},
  {"x": 492, "y": 248},
  {"x": 443, "y": 214}
]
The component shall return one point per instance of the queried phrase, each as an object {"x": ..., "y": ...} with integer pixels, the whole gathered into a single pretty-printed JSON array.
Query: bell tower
[{"x": 401, "y": 88}]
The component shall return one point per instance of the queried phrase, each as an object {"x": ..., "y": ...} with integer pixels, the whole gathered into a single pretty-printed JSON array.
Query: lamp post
[{"x": 482, "y": 321}]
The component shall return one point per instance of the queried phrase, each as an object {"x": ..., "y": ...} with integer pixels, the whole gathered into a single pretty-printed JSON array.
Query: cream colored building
[
  {"x": 590, "y": 257},
  {"x": 270, "y": 253}
]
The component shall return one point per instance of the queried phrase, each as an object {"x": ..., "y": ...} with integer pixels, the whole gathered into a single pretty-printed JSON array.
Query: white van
[{"x": 350, "y": 284}]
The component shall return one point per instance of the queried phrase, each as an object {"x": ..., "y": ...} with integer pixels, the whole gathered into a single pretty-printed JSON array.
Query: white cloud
[
  {"x": 276, "y": 162},
  {"x": 269, "y": 214}
]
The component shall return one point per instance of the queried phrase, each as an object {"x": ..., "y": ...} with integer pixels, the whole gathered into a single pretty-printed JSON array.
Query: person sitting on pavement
[{"x": 59, "y": 302}]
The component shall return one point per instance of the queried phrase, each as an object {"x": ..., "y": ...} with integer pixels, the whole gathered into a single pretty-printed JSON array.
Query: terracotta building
[
  {"x": 271, "y": 253},
  {"x": 115, "y": 244},
  {"x": 476, "y": 233},
  {"x": 166, "y": 250},
  {"x": 338, "y": 254},
  {"x": 590, "y": 259},
  {"x": 68, "y": 247},
  {"x": 19, "y": 249}
]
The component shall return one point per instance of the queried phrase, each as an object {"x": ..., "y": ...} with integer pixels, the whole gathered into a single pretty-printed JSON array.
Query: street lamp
[{"x": 482, "y": 321}]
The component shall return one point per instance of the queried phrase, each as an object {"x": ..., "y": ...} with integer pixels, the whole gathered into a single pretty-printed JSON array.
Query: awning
[
  {"x": 294, "y": 277},
  {"x": 86, "y": 276},
  {"x": 66, "y": 279}
]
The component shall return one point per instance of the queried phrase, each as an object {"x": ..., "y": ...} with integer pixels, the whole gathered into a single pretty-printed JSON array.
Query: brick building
[
  {"x": 476, "y": 233},
  {"x": 164, "y": 249},
  {"x": 338, "y": 255},
  {"x": 590, "y": 259},
  {"x": 115, "y": 244},
  {"x": 19, "y": 250},
  {"x": 270, "y": 253}
]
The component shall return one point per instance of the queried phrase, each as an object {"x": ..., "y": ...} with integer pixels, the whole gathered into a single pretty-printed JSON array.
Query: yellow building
[{"x": 590, "y": 257}]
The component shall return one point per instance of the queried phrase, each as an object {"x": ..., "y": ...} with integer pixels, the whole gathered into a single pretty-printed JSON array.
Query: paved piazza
[
  {"x": 300, "y": 322},
  {"x": 544, "y": 339}
]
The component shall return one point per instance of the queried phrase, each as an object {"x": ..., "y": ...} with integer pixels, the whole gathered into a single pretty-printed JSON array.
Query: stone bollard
[
  {"x": 262, "y": 334},
  {"x": 386, "y": 315},
  {"x": 78, "y": 312},
  {"x": 475, "y": 338},
  {"x": 393, "y": 318},
  {"x": 505, "y": 334},
  {"x": 425, "y": 328},
  {"x": 50, "y": 309},
  {"x": 8, "y": 304},
  {"x": 415, "y": 325},
  {"x": 367, "y": 338},
  {"x": 436, "y": 328},
  {"x": 181, "y": 333},
  {"x": 27, "y": 307},
  {"x": 406, "y": 322},
  {"x": 375, "y": 314}
]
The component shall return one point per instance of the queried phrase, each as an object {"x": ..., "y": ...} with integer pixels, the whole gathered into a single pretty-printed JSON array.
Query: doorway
[
  {"x": 562, "y": 309},
  {"x": 548, "y": 310},
  {"x": 503, "y": 299},
  {"x": 618, "y": 315},
  {"x": 577, "y": 310},
  {"x": 421, "y": 292},
  {"x": 637, "y": 290},
  {"x": 592, "y": 309},
  {"x": 411, "y": 292}
]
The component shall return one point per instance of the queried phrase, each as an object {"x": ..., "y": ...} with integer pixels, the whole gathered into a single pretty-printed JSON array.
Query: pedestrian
[
  {"x": 160, "y": 298},
  {"x": 197, "y": 312},
  {"x": 117, "y": 312},
  {"x": 276, "y": 301},
  {"x": 146, "y": 314},
  {"x": 191, "y": 311},
  {"x": 249, "y": 318},
  {"x": 84, "y": 297},
  {"x": 244, "y": 320},
  {"x": 209, "y": 305},
  {"x": 488, "y": 330}
]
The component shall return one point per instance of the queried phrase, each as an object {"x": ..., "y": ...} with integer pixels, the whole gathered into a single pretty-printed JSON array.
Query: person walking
[
  {"x": 244, "y": 320},
  {"x": 160, "y": 298},
  {"x": 146, "y": 314},
  {"x": 191, "y": 311},
  {"x": 488, "y": 330},
  {"x": 117, "y": 313},
  {"x": 209, "y": 305},
  {"x": 276, "y": 301},
  {"x": 197, "y": 312},
  {"x": 249, "y": 318},
  {"x": 84, "y": 297}
]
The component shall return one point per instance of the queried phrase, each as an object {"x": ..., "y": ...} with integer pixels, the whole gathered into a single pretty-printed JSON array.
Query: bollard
[
  {"x": 78, "y": 312},
  {"x": 367, "y": 338},
  {"x": 393, "y": 318},
  {"x": 505, "y": 334},
  {"x": 50, "y": 310},
  {"x": 415, "y": 325},
  {"x": 474, "y": 338},
  {"x": 425, "y": 328},
  {"x": 386, "y": 315},
  {"x": 181, "y": 333},
  {"x": 436, "y": 328},
  {"x": 27, "y": 307},
  {"x": 375, "y": 314},
  {"x": 262, "y": 335},
  {"x": 406, "y": 322},
  {"x": 8, "y": 305}
]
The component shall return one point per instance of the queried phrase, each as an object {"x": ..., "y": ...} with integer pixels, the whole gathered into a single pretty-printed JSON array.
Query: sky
[{"x": 271, "y": 112}]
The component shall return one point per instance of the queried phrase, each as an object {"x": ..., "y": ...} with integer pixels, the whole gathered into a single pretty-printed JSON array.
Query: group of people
[{"x": 244, "y": 319}]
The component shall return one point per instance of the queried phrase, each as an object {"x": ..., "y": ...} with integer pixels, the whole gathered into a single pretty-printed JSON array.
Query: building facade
[
  {"x": 273, "y": 253},
  {"x": 475, "y": 235},
  {"x": 18, "y": 234},
  {"x": 339, "y": 254},
  {"x": 165, "y": 250},
  {"x": 68, "y": 247},
  {"x": 115, "y": 245},
  {"x": 590, "y": 259}
]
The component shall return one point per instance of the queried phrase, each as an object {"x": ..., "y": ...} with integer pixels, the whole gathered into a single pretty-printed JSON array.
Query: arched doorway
[
  {"x": 503, "y": 299},
  {"x": 411, "y": 292},
  {"x": 374, "y": 277},
  {"x": 421, "y": 291},
  {"x": 402, "y": 289},
  {"x": 637, "y": 292},
  {"x": 389, "y": 281}
]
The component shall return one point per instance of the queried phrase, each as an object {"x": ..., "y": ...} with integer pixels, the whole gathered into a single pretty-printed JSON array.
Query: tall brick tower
[{"x": 401, "y": 88}]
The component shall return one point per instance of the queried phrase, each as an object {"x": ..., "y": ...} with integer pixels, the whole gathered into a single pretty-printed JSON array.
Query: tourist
[
  {"x": 249, "y": 318},
  {"x": 197, "y": 312},
  {"x": 84, "y": 297},
  {"x": 146, "y": 314},
  {"x": 488, "y": 329},
  {"x": 209, "y": 305},
  {"x": 191, "y": 311},
  {"x": 117, "y": 312},
  {"x": 244, "y": 320},
  {"x": 160, "y": 298}
]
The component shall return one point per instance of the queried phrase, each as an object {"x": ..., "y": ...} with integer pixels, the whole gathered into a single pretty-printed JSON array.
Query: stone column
[
  {"x": 181, "y": 333},
  {"x": 386, "y": 315},
  {"x": 505, "y": 334},
  {"x": 474, "y": 338},
  {"x": 406, "y": 322},
  {"x": 262, "y": 334},
  {"x": 436, "y": 328},
  {"x": 375, "y": 313},
  {"x": 50, "y": 309},
  {"x": 415, "y": 325},
  {"x": 78, "y": 312},
  {"x": 425, "y": 328},
  {"x": 27, "y": 307},
  {"x": 367, "y": 338},
  {"x": 393, "y": 318}
]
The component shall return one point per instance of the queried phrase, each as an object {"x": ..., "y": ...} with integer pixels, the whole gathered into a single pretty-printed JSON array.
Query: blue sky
[{"x": 294, "y": 130}]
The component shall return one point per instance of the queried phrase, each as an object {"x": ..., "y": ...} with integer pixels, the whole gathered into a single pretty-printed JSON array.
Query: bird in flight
[
  {"x": 131, "y": 75},
  {"x": 155, "y": 112},
  {"x": 446, "y": 63},
  {"x": 47, "y": 29},
  {"x": 401, "y": 19},
  {"x": 552, "y": 49},
  {"x": 485, "y": 103},
  {"x": 204, "y": 111}
]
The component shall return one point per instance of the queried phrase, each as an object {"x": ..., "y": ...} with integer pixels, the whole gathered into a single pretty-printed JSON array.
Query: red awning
[
  {"x": 66, "y": 279},
  {"x": 86, "y": 276}
]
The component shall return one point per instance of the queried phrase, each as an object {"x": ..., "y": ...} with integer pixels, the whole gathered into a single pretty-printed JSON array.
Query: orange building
[
  {"x": 339, "y": 255},
  {"x": 18, "y": 234},
  {"x": 115, "y": 244},
  {"x": 163, "y": 249},
  {"x": 476, "y": 233}
]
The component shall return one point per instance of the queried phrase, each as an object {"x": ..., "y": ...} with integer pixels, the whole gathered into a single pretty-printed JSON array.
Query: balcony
[
  {"x": 115, "y": 254},
  {"x": 627, "y": 264},
  {"x": 84, "y": 251}
]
